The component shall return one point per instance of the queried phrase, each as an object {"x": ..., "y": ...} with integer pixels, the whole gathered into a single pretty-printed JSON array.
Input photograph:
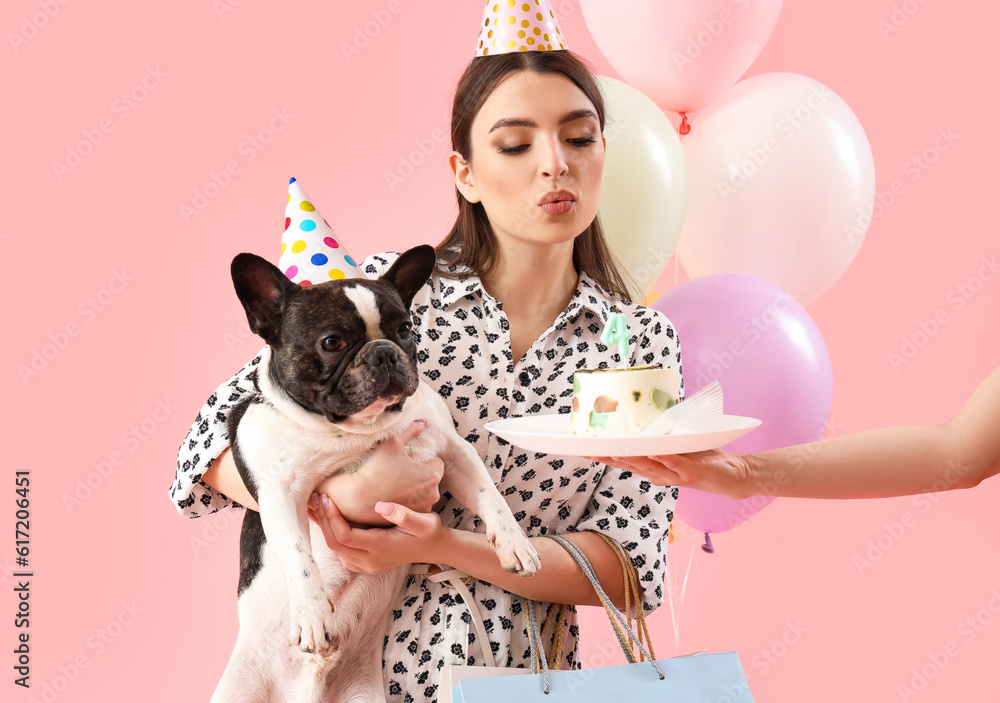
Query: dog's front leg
[
  {"x": 286, "y": 527},
  {"x": 467, "y": 479}
]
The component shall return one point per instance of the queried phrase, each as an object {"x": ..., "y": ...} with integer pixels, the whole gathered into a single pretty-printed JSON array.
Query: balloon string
[
  {"x": 673, "y": 609},
  {"x": 684, "y": 587},
  {"x": 678, "y": 606}
]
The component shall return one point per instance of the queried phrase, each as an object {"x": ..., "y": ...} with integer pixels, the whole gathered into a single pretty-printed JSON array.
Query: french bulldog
[{"x": 337, "y": 377}]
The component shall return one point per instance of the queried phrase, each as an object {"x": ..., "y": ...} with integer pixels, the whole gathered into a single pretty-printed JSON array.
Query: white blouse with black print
[{"x": 464, "y": 353}]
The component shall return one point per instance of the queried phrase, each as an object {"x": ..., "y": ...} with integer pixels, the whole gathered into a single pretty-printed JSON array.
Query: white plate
[{"x": 550, "y": 434}]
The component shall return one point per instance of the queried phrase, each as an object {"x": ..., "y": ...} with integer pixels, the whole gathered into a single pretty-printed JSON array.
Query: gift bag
[{"x": 702, "y": 678}]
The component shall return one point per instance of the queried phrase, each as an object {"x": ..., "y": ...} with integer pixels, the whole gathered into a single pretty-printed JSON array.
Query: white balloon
[
  {"x": 782, "y": 185},
  {"x": 645, "y": 183}
]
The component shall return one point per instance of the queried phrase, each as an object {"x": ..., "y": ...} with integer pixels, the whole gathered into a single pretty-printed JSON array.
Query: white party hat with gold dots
[
  {"x": 310, "y": 252},
  {"x": 519, "y": 25}
]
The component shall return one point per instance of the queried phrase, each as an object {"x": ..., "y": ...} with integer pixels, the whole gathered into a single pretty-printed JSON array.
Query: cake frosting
[{"x": 618, "y": 402}]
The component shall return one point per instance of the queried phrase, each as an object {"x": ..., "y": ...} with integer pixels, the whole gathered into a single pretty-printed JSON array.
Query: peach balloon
[
  {"x": 682, "y": 54},
  {"x": 781, "y": 185}
]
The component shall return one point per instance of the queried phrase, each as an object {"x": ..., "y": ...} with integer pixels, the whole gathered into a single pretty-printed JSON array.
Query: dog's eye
[
  {"x": 332, "y": 344},
  {"x": 405, "y": 330}
]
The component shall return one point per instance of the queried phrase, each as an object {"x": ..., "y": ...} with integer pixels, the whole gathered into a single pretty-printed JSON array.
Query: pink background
[{"x": 129, "y": 599}]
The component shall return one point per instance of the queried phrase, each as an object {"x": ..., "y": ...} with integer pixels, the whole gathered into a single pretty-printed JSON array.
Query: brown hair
[{"x": 471, "y": 243}]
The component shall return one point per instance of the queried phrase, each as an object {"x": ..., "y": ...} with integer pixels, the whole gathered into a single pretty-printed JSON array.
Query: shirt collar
[{"x": 588, "y": 295}]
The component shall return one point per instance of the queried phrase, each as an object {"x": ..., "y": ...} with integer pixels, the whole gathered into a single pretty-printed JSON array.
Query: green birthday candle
[{"x": 616, "y": 332}]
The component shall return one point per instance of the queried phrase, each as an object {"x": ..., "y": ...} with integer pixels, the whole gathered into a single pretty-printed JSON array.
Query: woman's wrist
[
  {"x": 443, "y": 548},
  {"x": 753, "y": 477}
]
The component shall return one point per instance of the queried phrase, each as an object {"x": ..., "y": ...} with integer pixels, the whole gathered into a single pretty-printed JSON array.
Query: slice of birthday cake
[{"x": 621, "y": 402}]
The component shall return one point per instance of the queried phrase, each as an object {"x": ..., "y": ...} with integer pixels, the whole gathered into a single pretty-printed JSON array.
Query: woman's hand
[
  {"x": 715, "y": 471},
  {"x": 415, "y": 538},
  {"x": 390, "y": 475}
]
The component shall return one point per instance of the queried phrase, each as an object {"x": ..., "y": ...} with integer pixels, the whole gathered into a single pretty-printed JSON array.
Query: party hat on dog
[
  {"x": 517, "y": 25},
  {"x": 310, "y": 251}
]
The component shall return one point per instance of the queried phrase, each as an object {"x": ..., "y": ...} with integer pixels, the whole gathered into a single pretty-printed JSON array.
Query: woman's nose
[{"x": 553, "y": 160}]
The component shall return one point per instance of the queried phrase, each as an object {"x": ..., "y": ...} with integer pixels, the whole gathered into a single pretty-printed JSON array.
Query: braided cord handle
[
  {"x": 585, "y": 565},
  {"x": 632, "y": 595}
]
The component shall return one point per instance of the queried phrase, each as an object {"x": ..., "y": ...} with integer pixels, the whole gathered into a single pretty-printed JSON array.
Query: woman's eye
[
  {"x": 513, "y": 149},
  {"x": 583, "y": 141},
  {"x": 405, "y": 330},
  {"x": 333, "y": 344}
]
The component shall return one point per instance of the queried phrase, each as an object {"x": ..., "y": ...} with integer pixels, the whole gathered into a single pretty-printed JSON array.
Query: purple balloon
[{"x": 770, "y": 358}]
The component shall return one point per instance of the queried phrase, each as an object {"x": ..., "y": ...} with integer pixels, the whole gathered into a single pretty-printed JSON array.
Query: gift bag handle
[{"x": 588, "y": 570}]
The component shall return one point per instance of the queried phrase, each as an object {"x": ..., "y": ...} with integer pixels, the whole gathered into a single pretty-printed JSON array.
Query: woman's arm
[
  {"x": 880, "y": 463},
  {"x": 224, "y": 477},
  {"x": 388, "y": 474},
  {"x": 420, "y": 538}
]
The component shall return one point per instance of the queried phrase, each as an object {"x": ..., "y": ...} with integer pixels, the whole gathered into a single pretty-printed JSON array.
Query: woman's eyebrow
[{"x": 521, "y": 122}]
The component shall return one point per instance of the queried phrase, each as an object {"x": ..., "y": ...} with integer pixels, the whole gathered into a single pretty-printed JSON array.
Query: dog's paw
[
  {"x": 312, "y": 628},
  {"x": 515, "y": 551}
]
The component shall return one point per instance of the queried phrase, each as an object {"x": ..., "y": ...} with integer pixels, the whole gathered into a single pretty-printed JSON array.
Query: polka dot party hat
[
  {"x": 310, "y": 251},
  {"x": 519, "y": 25}
]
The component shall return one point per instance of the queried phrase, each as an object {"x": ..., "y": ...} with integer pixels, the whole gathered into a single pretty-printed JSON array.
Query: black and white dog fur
[{"x": 337, "y": 377}]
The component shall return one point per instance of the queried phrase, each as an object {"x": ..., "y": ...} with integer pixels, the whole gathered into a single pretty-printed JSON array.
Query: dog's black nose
[{"x": 382, "y": 357}]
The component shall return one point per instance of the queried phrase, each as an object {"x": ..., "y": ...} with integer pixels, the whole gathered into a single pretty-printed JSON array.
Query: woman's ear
[{"x": 463, "y": 177}]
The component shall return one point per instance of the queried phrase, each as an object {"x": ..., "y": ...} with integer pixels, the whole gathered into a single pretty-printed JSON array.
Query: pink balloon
[
  {"x": 770, "y": 358},
  {"x": 681, "y": 53},
  {"x": 781, "y": 185}
]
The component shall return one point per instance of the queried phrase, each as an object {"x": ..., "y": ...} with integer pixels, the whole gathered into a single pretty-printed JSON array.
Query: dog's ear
[
  {"x": 262, "y": 289},
  {"x": 410, "y": 271}
]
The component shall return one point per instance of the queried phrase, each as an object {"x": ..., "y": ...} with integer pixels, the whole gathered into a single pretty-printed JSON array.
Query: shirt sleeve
[
  {"x": 629, "y": 509},
  {"x": 377, "y": 264},
  {"x": 205, "y": 441}
]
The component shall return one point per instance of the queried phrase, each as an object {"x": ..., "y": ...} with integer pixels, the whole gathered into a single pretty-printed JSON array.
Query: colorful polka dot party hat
[
  {"x": 516, "y": 25},
  {"x": 310, "y": 251}
]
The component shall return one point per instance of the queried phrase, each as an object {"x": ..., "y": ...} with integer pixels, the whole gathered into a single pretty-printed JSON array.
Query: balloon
[
  {"x": 681, "y": 53},
  {"x": 644, "y": 195},
  {"x": 771, "y": 360},
  {"x": 782, "y": 185}
]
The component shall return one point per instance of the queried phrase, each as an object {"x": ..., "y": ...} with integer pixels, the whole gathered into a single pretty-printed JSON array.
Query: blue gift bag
[
  {"x": 706, "y": 678},
  {"x": 703, "y": 678}
]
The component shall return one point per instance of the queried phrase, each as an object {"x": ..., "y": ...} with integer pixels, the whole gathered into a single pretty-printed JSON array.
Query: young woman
[
  {"x": 524, "y": 285},
  {"x": 881, "y": 463}
]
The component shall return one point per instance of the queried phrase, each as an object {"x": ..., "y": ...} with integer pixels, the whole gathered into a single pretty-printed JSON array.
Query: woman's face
[{"x": 535, "y": 134}]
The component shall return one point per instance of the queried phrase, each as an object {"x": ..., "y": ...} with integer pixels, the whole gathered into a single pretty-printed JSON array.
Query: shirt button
[{"x": 524, "y": 378}]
